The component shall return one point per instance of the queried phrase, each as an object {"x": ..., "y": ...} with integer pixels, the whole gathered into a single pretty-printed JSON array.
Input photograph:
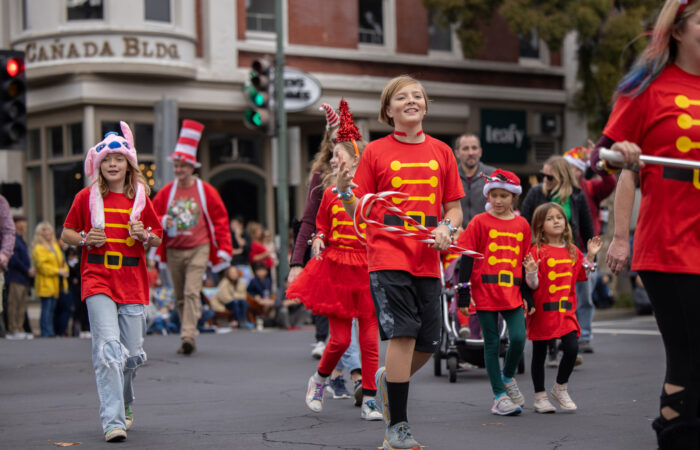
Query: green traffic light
[
  {"x": 257, "y": 98},
  {"x": 253, "y": 117}
]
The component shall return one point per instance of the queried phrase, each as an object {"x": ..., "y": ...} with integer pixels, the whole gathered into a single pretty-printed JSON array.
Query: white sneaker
[
  {"x": 371, "y": 411},
  {"x": 560, "y": 393},
  {"x": 14, "y": 336},
  {"x": 514, "y": 393},
  {"x": 314, "y": 395},
  {"x": 504, "y": 406},
  {"x": 318, "y": 349},
  {"x": 542, "y": 404}
]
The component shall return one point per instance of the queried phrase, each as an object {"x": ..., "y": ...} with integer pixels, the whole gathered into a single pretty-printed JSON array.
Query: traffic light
[
  {"x": 259, "y": 92},
  {"x": 13, "y": 110}
]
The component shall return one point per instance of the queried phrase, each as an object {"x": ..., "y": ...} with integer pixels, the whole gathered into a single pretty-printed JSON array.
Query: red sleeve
[
  {"x": 159, "y": 201},
  {"x": 471, "y": 237},
  {"x": 602, "y": 187},
  {"x": 323, "y": 217},
  {"x": 219, "y": 218},
  {"x": 626, "y": 122},
  {"x": 78, "y": 211},
  {"x": 581, "y": 275},
  {"x": 453, "y": 184},
  {"x": 150, "y": 219},
  {"x": 365, "y": 176}
]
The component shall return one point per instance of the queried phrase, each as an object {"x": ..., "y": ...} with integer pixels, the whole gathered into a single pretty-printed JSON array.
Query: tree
[{"x": 609, "y": 37}]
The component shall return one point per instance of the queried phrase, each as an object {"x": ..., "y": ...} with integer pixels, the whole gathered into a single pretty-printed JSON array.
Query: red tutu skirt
[{"x": 335, "y": 286}]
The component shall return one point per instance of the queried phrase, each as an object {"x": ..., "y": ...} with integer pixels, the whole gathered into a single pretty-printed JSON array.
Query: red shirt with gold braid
[
  {"x": 427, "y": 172},
  {"x": 555, "y": 296},
  {"x": 118, "y": 268},
  {"x": 664, "y": 120},
  {"x": 497, "y": 277},
  {"x": 336, "y": 285}
]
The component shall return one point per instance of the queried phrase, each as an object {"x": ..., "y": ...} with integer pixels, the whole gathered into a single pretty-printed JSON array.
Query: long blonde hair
[
  {"x": 564, "y": 178},
  {"x": 133, "y": 173},
  {"x": 538, "y": 235},
  {"x": 39, "y": 239},
  {"x": 321, "y": 164}
]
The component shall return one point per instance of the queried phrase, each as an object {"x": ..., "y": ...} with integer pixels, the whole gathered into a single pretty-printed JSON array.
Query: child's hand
[
  {"x": 594, "y": 245},
  {"x": 464, "y": 310},
  {"x": 530, "y": 263},
  {"x": 137, "y": 230},
  {"x": 316, "y": 246},
  {"x": 530, "y": 311}
]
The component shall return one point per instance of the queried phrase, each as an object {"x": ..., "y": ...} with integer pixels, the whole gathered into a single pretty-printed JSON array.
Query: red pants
[{"x": 368, "y": 337}]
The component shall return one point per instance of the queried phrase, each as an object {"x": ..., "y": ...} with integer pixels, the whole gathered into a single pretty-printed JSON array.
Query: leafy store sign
[
  {"x": 113, "y": 47},
  {"x": 503, "y": 134}
]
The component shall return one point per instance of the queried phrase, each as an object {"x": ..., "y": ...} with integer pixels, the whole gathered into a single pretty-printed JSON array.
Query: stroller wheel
[{"x": 452, "y": 368}]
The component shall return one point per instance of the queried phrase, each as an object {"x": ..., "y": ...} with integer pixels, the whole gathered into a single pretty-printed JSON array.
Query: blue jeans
[
  {"x": 48, "y": 308},
  {"x": 117, "y": 351},
  {"x": 585, "y": 309},
  {"x": 351, "y": 358}
]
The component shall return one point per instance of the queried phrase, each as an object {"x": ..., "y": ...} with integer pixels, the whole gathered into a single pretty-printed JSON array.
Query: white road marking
[{"x": 626, "y": 331}]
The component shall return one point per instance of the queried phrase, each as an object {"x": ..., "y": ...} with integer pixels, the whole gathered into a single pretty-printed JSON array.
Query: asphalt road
[{"x": 245, "y": 390}]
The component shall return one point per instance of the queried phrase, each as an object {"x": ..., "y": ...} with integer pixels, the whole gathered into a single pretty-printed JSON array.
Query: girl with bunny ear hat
[{"x": 115, "y": 223}]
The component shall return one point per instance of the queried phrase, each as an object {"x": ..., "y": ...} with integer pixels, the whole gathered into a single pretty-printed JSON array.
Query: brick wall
[
  {"x": 411, "y": 27},
  {"x": 327, "y": 23}
]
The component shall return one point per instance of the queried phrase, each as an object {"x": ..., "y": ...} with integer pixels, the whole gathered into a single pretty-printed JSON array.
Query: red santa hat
[
  {"x": 332, "y": 119},
  {"x": 578, "y": 157},
  {"x": 187, "y": 143},
  {"x": 347, "y": 132},
  {"x": 112, "y": 143},
  {"x": 502, "y": 179}
]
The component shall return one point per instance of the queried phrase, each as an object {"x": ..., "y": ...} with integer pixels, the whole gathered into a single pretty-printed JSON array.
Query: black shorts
[{"x": 407, "y": 306}]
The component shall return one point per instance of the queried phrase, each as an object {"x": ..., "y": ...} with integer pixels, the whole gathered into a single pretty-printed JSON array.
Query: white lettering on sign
[{"x": 510, "y": 135}]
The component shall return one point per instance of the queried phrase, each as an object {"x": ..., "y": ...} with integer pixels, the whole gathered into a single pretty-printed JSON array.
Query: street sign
[{"x": 301, "y": 90}]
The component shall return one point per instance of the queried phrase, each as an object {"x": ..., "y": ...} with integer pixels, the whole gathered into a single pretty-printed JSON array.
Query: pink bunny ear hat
[{"x": 112, "y": 143}]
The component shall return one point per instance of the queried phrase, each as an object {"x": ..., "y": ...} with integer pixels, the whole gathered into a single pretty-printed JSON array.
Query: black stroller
[{"x": 457, "y": 350}]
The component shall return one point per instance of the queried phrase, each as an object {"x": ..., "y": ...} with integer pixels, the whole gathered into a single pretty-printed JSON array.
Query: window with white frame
[
  {"x": 439, "y": 37},
  {"x": 371, "y": 22},
  {"x": 260, "y": 15},
  {"x": 84, "y": 9},
  {"x": 157, "y": 10}
]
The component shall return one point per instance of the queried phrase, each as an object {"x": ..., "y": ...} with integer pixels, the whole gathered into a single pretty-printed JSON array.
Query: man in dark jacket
[
  {"x": 19, "y": 272},
  {"x": 468, "y": 153}
]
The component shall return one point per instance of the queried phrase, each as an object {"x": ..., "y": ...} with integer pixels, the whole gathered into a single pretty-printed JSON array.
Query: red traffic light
[{"x": 14, "y": 66}]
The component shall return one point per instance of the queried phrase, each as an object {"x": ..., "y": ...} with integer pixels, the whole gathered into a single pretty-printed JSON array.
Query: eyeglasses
[{"x": 547, "y": 176}]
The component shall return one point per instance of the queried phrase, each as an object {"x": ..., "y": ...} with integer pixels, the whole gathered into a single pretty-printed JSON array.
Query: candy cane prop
[
  {"x": 423, "y": 235},
  {"x": 616, "y": 158}
]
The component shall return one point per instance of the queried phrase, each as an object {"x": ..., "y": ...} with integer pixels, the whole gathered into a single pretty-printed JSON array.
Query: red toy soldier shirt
[
  {"x": 496, "y": 278},
  {"x": 555, "y": 296},
  {"x": 337, "y": 285},
  {"x": 664, "y": 120},
  {"x": 427, "y": 172},
  {"x": 118, "y": 268}
]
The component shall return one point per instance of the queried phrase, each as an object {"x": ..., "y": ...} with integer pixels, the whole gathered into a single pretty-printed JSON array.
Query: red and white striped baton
[{"x": 422, "y": 234}]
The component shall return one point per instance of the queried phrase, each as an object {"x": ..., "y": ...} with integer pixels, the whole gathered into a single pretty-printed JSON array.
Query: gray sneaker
[
  {"x": 504, "y": 406},
  {"x": 370, "y": 411},
  {"x": 398, "y": 436},
  {"x": 382, "y": 392},
  {"x": 514, "y": 393}
]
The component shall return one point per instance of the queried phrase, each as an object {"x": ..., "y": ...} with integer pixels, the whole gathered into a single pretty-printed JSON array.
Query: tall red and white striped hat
[{"x": 187, "y": 143}]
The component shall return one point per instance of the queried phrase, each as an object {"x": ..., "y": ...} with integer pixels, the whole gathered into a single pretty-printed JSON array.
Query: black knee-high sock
[{"x": 398, "y": 398}]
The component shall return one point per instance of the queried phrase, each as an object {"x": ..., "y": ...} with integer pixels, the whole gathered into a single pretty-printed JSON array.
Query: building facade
[{"x": 92, "y": 63}]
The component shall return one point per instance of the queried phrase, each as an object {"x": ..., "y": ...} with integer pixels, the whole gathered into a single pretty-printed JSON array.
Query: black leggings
[
  {"x": 569, "y": 344},
  {"x": 676, "y": 302}
]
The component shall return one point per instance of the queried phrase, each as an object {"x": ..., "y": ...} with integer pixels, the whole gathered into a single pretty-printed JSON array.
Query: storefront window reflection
[
  {"x": 55, "y": 135},
  {"x": 67, "y": 182},
  {"x": 229, "y": 148}
]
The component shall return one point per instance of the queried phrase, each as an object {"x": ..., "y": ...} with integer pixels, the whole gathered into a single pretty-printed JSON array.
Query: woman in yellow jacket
[{"x": 51, "y": 274}]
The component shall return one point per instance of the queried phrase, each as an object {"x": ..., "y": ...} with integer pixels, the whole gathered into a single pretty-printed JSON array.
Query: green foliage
[{"x": 609, "y": 33}]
